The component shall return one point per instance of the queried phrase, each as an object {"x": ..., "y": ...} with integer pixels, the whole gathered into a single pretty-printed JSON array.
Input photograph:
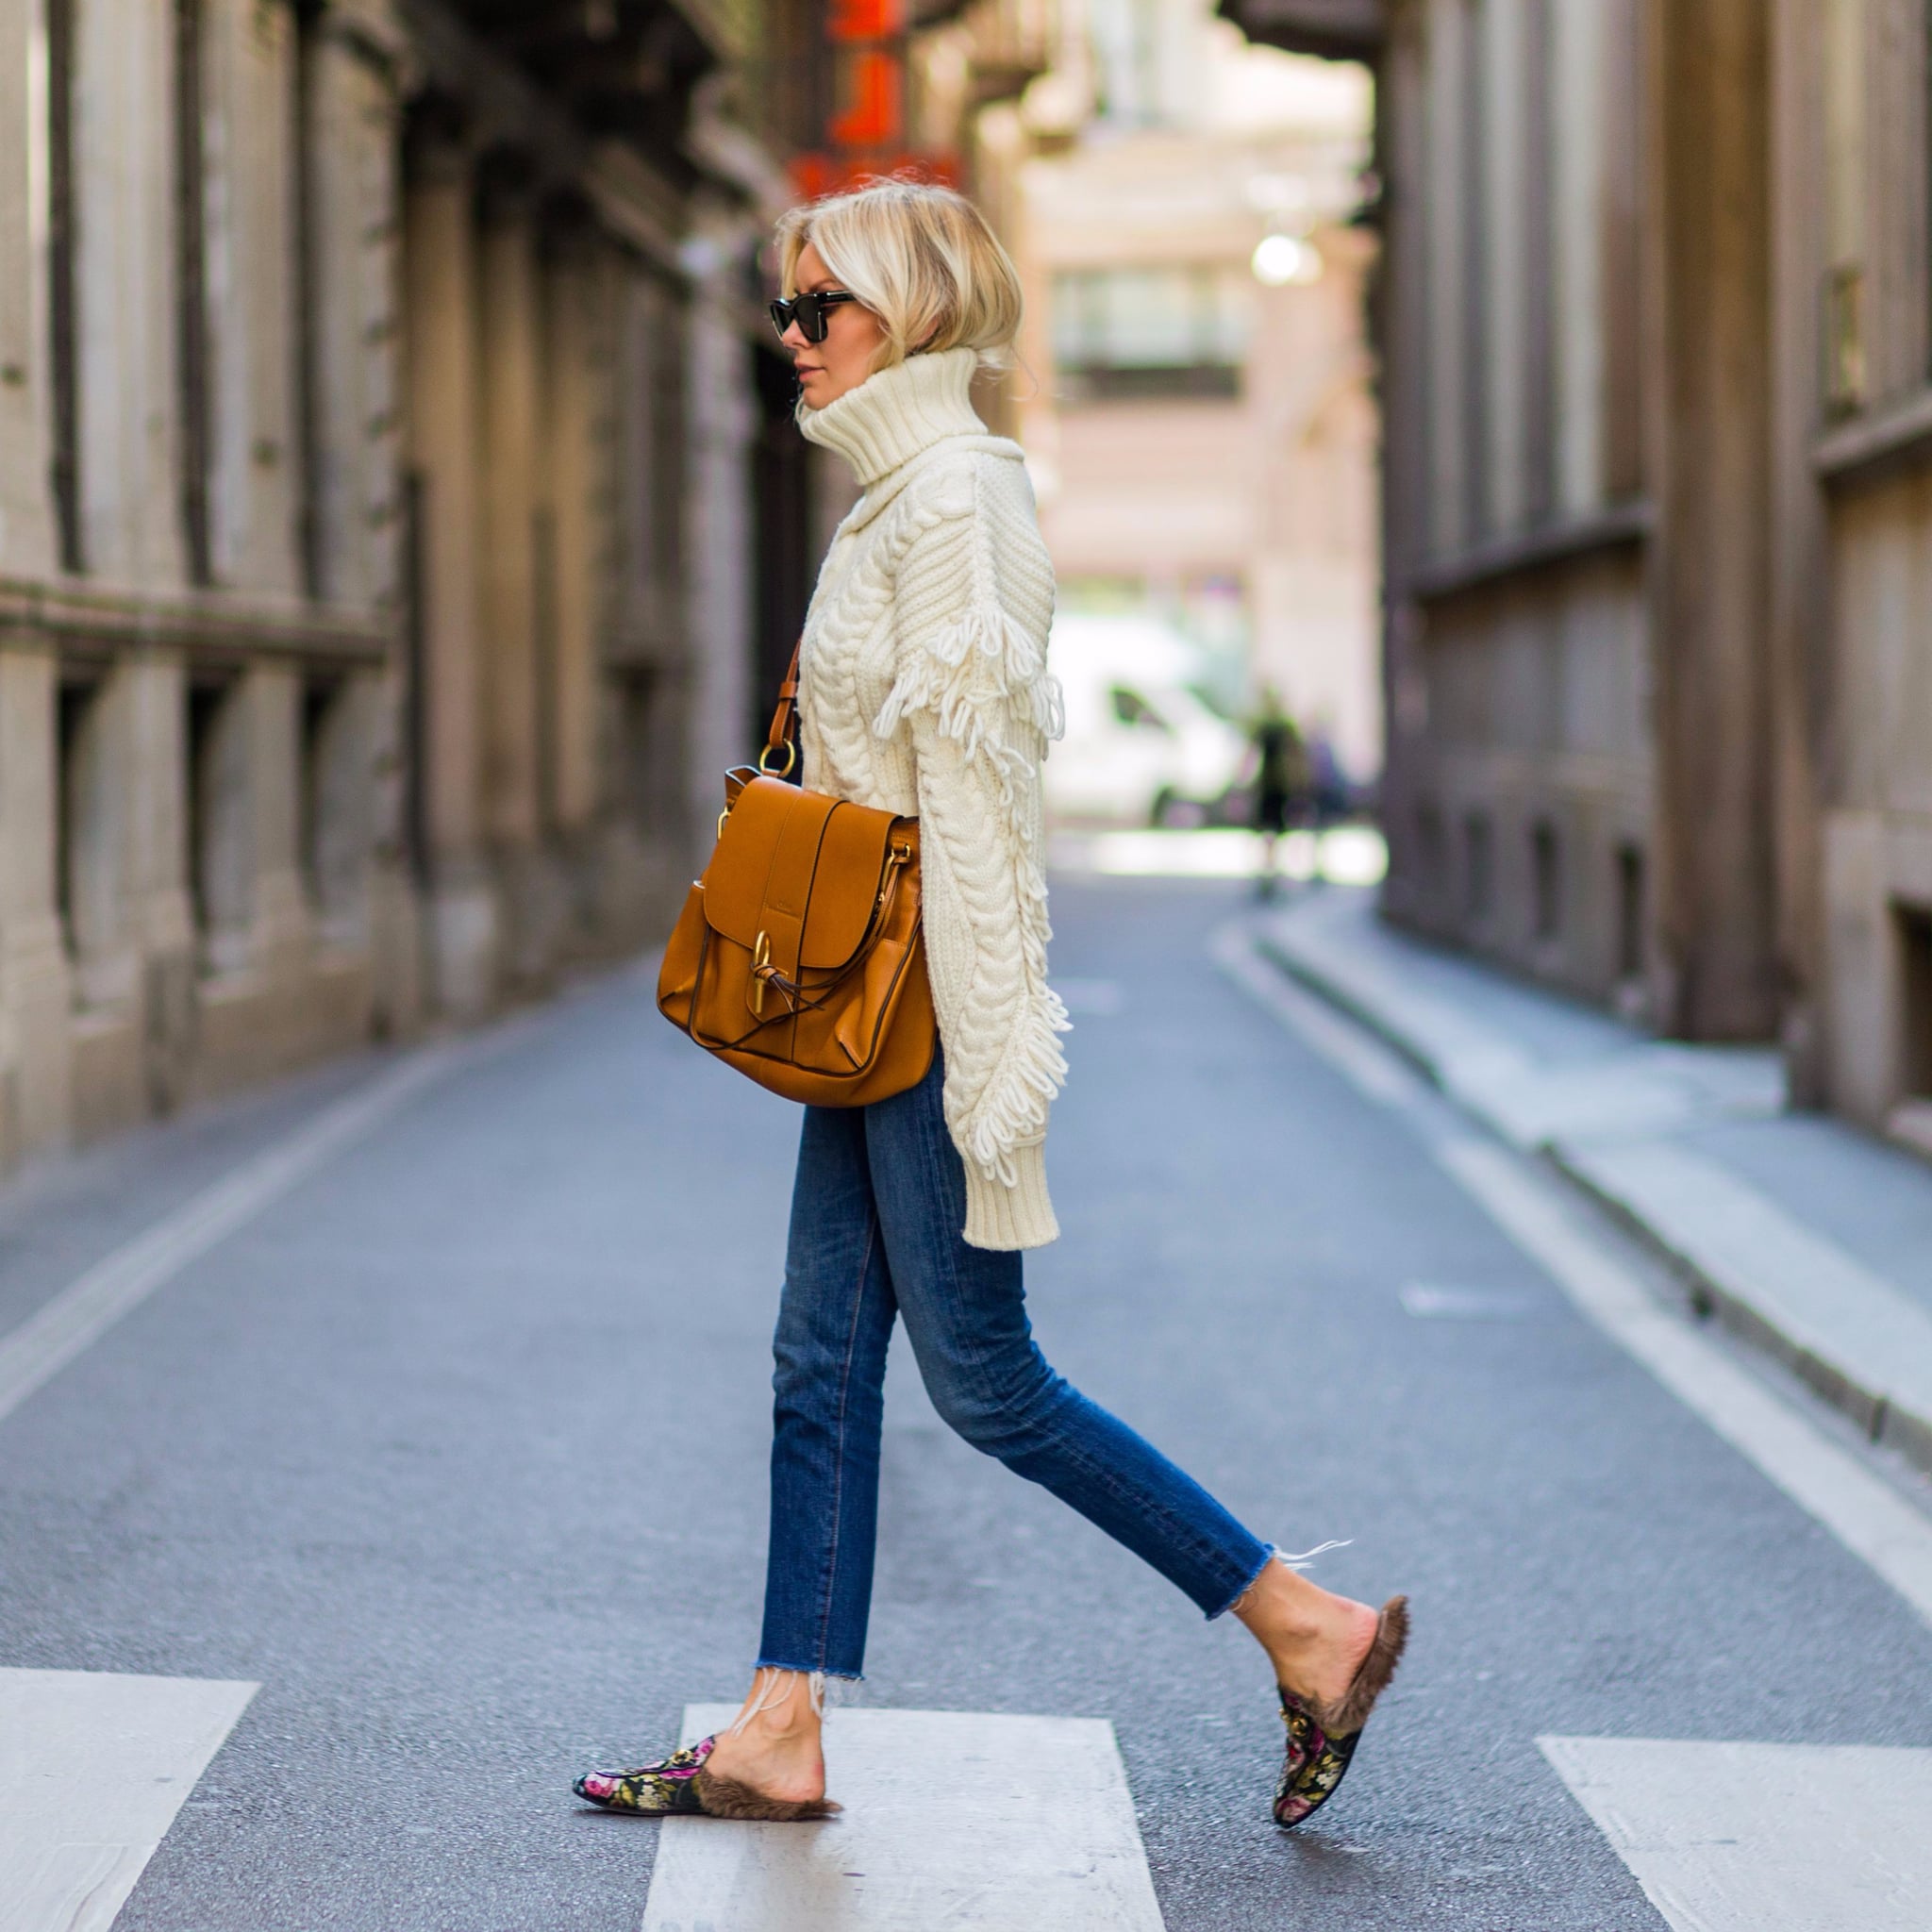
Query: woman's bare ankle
[
  {"x": 1315, "y": 1640},
  {"x": 775, "y": 1743},
  {"x": 780, "y": 1695},
  {"x": 794, "y": 1718}
]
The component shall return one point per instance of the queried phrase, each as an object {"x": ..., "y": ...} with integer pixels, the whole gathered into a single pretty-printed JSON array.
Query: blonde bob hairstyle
[{"x": 920, "y": 258}]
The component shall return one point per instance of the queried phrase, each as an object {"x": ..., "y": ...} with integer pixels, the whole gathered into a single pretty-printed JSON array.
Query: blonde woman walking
[{"x": 925, "y": 692}]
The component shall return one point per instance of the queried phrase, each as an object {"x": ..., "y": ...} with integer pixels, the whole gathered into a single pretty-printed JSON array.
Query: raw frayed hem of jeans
[
  {"x": 821, "y": 1687},
  {"x": 1268, "y": 1556},
  {"x": 1297, "y": 1562},
  {"x": 766, "y": 1696}
]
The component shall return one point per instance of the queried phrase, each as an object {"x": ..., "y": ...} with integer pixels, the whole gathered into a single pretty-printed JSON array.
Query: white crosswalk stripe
[
  {"x": 1763, "y": 1837},
  {"x": 92, "y": 1769},
  {"x": 952, "y": 1818}
]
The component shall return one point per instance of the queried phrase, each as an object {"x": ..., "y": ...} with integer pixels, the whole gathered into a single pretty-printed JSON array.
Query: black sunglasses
[{"x": 808, "y": 312}]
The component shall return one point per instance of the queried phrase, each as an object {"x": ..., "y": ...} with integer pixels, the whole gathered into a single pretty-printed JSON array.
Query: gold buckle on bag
[{"x": 761, "y": 970}]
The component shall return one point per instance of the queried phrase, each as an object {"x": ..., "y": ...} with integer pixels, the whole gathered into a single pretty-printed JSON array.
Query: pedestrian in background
[
  {"x": 925, "y": 692},
  {"x": 1281, "y": 781}
]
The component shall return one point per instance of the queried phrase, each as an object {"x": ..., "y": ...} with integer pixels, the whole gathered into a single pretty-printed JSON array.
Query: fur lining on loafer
[
  {"x": 1350, "y": 1711},
  {"x": 725, "y": 1797}
]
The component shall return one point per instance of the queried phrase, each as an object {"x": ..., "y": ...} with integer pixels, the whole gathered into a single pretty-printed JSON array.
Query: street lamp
[{"x": 1281, "y": 259}]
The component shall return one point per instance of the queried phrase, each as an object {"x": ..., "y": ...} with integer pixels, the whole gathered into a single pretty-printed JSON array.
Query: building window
[
  {"x": 63, "y": 316},
  {"x": 218, "y": 883},
  {"x": 546, "y": 668},
  {"x": 415, "y": 705},
  {"x": 303, "y": 162},
  {"x": 329, "y": 802},
  {"x": 80, "y": 820},
  {"x": 653, "y": 429},
  {"x": 1844, "y": 339},
  {"x": 1915, "y": 1030},
  {"x": 1843, "y": 290},
  {"x": 1127, "y": 43},
  {"x": 647, "y": 753},
  {"x": 1429, "y": 856},
  {"x": 1479, "y": 869},
  {"x": 1477, "y": 296},
  {"x": 190, "y": 284},
  {"x": 1133, "y": 332},
  {"x": 667, "y": 441},
  {"x": 1546, "y": 881},
  {"x": 1629, "y": 913}
]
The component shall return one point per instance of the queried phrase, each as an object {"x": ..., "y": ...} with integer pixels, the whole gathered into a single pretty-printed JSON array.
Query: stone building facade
[
  {"x": 1653, "y": 322},
  {"x": 381, "y": 384}
]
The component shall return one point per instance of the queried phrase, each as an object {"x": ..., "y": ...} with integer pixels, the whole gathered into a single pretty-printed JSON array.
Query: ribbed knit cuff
[{"x": 1018, "y": 1216}]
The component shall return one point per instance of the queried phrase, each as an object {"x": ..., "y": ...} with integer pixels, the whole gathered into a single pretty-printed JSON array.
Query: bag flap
[
  {"x": 852, "y": 865},
  {"x": 767, "y": 852},
  {"x": 786, "y": 856}
]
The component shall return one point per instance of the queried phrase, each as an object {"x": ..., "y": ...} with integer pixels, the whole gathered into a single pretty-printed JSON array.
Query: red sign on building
[{"x": 865, "y": 131}]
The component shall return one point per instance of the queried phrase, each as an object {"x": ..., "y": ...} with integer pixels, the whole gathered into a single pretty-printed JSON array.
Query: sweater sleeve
[{"x": 974, "y": 599}]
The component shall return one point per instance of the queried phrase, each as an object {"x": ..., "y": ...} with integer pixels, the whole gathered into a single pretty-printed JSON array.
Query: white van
[{"x": 1141, "y": 748}]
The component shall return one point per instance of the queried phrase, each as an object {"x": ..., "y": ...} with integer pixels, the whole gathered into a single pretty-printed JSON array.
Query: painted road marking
[
  {"x": 88, "y": 1307},
  {"x": 1429, "y": 1303},
  {"x": 952, "y": 1818},
  {"x": 1762, "y": 1837},
  {"x": 93, "y": 1770},
  {"x": 1827, "y": 1481}
]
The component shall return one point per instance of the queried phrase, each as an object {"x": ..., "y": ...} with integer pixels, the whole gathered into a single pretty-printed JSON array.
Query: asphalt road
[{"x": 459, "y": 1450}]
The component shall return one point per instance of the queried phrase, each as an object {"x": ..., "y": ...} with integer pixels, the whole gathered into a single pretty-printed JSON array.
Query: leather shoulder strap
[{"x": 784, "y": 731}]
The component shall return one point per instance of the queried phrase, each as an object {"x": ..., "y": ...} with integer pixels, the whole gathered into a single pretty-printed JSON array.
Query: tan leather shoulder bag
[{"x": 797, "y": 957}]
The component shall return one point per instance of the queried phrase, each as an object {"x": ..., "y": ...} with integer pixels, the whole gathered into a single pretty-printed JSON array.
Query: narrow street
[{"x": 455, "y": 1449}]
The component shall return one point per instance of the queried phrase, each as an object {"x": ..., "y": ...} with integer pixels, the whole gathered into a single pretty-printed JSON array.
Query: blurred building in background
[
  {"x": 402, "y": 520},
  {"x": 1657, "y": 376},
  {"x": 401, "y": 517},
  {"x": 1199, "y": 420}
]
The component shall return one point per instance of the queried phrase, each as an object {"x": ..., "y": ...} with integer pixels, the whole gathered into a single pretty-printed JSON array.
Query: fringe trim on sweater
[
  {"x": 984, "y": 681},
  {"x": 985, "y": 684}
]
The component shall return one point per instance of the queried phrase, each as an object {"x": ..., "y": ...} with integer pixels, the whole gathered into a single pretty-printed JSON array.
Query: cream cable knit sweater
[{"x": 923, "y": 691}]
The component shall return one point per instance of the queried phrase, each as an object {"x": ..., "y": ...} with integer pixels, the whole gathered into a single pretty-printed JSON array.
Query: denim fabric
[{"x": 877, "y": 1214}]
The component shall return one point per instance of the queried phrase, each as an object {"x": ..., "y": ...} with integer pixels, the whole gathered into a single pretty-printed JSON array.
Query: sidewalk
[{"x": 1799, "y": 1233}]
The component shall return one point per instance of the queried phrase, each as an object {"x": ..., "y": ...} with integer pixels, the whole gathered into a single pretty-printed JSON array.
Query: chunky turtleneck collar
[{"x": 896, "y": 413}]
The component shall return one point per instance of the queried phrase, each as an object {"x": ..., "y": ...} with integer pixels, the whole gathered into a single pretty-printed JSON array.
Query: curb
[{"x": 1877, "y": 1416}]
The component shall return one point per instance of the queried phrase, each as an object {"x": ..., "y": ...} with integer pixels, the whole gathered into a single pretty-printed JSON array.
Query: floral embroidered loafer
[
  {"x": 665, "y": 1790},
  {"x": 1322, "y": 1738},
  {"x": 680, "y": 1786}
]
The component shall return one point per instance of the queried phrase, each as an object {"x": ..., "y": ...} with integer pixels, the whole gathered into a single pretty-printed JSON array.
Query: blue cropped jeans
[{"x": 877, "y": 1214}]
